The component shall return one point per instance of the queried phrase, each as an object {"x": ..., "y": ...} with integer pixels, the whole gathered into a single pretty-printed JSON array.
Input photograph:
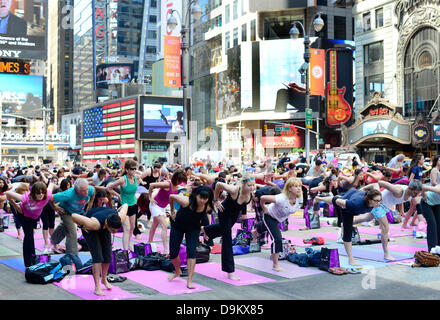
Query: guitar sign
[{"x": 338, "y": 109}]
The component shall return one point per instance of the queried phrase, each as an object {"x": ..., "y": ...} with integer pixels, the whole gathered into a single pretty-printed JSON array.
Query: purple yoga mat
[
  {"x": 13, "y": 233},
  {"x": 83, "y": 287},
  {"x": 158, "y": 280},
  {"x": 375, "y": 231},
  {"x": 403, "y": 248},
  {"x": 214, "y": 270},
  {"x": 291, "y": 271},
  {"x": 376, "y": 255}
]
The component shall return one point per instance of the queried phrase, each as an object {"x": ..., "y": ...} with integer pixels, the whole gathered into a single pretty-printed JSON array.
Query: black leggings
[
  {"x": 28, "y": 225},
  {"x": 176, "y": 237},
  {"x": 432, "y": 216},
  {"x": 100, "y": 245},
  {"x": 16, "y": 219},
  {"x": 48, "y": 217},
  {"x": 271, "y": 224},
  {"x": 347, "y": 220},
  {"x": 224, "y": 229}
]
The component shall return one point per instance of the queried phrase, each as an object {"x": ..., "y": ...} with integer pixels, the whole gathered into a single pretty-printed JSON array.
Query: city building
[
  {"x": 397, "y": 62},
  {"x": 233, "y": 53},
  {"x": 110, "y": 38},
  {"x": 59, "y": 89}
]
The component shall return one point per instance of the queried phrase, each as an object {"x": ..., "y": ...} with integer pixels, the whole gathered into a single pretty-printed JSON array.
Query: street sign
[
  {"x": 309, "y": 123},
  {"x": 321, "y": 141}
]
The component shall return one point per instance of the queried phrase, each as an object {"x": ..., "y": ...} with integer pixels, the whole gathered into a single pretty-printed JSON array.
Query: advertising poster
[
  {"x": 172, "y": 67},
  {"x": 23, "y": 29}
]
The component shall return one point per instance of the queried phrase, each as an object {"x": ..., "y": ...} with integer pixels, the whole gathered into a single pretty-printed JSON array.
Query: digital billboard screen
[
  {"x": 436, "y": 133},
  {"x": 23, "y": 29},
  {"x": 161, "y": 118},
  {"x": 21, "y": 94},
  {"x": 113, "y": 73}
]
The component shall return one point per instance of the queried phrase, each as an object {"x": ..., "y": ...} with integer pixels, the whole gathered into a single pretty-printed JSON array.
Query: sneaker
[{"x": 47, "y": 251}]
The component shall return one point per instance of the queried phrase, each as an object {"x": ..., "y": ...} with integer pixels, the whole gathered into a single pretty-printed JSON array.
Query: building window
[
  {"x": 227, "y": 13},
  {"x": 373, "y": 84},
  {"x": 340, "y": 28},
  {"x": 153, "y": 19},
  {"x": 151, "y": 49},
  {"x": 242, "y": 7},
  {"x": 379, "y": 18},
  {"x": 152, "y": 34},
  {"x": 227, "y": 41},
  {"x": 243, "y": 32},
  {"x": 153, "y": 4},
  {"x": 366, "y": 18},
  {"x": 235, "y": 37},
  {"x": 321, "y": 2},
  {"x": 235, "y": 9},
  {"x": 253, "y": 30},
  {"x": 373, "y": 52}
]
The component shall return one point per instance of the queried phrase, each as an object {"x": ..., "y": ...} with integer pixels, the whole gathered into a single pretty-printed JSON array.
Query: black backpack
[
  {"x": 45, "y": 272},
  {"x": 202, "y": 253}
]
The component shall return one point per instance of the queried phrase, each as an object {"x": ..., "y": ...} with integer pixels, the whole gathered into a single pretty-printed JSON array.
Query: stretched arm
[
  {"x": 317, "y": 189},
  {"x": 370, "y": 187},
  {"x": 146, "y": 173},
  {"x": 156, "y": 185},
  {"x": 180, "y": 199},
  {"x": 396, "y": 190},
  {"x": 110, "y": 187},
  {"x": 91, "y": 224},
  {"x": 435, "y": 189}
]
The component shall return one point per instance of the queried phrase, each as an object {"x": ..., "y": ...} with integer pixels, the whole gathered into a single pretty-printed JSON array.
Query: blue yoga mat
[
  {"x": 15, "y": 263},
  {"x": 376, "y": 254}
]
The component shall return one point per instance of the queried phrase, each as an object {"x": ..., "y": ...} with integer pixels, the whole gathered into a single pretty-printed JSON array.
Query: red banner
[{"x": 317, "y": 69}]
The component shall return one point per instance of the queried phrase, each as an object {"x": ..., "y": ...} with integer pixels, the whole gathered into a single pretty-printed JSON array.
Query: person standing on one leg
[
  {"x": 239, "y": 196},
  {"x": 353, "y": 203},
  {"x": 280, "y": 208},
  {"x": 188, "y": 221}
]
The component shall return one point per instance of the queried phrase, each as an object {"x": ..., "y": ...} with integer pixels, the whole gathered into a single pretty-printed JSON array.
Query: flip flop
[
  {"x": 337, "y": 271},
  {"x": 112, "y": 279}
]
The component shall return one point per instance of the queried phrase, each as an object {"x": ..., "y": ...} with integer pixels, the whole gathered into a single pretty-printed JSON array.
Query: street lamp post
[
  {"x": 317, "y": 24},
  {"x": 196, "y": 12},
  {"x": 239, "y": 134}
]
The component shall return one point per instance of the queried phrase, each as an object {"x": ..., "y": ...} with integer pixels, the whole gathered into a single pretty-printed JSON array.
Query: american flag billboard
[{"x": 109, "y": 130}]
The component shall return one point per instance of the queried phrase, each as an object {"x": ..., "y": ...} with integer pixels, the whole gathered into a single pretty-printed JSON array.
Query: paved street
[{"x": 385, "y": 281}]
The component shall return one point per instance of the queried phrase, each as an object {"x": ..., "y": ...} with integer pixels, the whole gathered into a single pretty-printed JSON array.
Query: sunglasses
[
  {"x": 377, "y": 201},
  {"x": 131, "y": 168}
]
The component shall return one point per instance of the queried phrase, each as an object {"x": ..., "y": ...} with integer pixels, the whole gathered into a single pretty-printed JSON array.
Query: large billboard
[
  {"x": 23, "y": 29},
  {"x": 113, "y": 73},
  {"x": 21, "y": 95},
  {"x": 161, "y": 118},
  {"x": 109, "y": 130}
]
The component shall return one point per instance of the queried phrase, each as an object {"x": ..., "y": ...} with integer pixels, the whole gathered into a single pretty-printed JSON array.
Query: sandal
[{"x": 337, "y": 270}]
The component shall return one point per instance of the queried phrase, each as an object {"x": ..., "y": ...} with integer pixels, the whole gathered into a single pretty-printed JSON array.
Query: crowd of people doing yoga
[{"x": 102, "y": 198}]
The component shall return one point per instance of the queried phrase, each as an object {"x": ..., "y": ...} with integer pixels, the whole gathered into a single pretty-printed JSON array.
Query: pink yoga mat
[
  {"x": 13, "y": 233},
  {"x": 296, "y": 241},
  {"x": 214, "y": 270},
  {"x": 294, "y": 226},
  {"x": 144, "y": 237},
  {"x": 158, "y": 280},
  {"x": 83, "y": 287},
  {"x": 403, "y": 248},
  {"x": 375, "y": 231},
  {"x": 291, "y": 270}
]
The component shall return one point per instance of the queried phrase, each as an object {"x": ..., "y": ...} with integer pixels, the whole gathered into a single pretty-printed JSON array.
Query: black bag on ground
[
  {"x": 202, "y": 253},
  {"x": 329, "y": 259},
  {"x": 151, "y": 261},
  {"x": 46, "y": 272},
  {"x": 355, "y": 236},
  {"x": 166, "y": 265},
  {"x": 83, "y": 243},
  {"x": 243, "y": 238}
]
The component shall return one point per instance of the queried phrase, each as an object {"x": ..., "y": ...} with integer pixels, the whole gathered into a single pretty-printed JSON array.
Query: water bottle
[
  {"x": 414, "y": 233},
  {"x": 379, "y": 235}
]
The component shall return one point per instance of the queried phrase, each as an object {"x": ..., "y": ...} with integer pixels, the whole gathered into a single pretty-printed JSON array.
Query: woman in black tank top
[
  {"x": 229, "y": 210},
  {"x": 187, "y": 222}
]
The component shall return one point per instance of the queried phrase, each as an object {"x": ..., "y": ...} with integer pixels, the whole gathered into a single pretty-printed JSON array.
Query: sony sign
[{"x": 10, "y": 53}]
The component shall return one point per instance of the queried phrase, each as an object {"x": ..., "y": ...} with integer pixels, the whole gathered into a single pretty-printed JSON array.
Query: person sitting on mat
[
  {"x": 354, "y": 202},
  {"x": 391, "y": 195},
  {"x": 96, "y": 225},
  {"x": 280, "y": 208},
  {"x": 188, "y": 221},
  {"x": 239, "y": 196}
]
